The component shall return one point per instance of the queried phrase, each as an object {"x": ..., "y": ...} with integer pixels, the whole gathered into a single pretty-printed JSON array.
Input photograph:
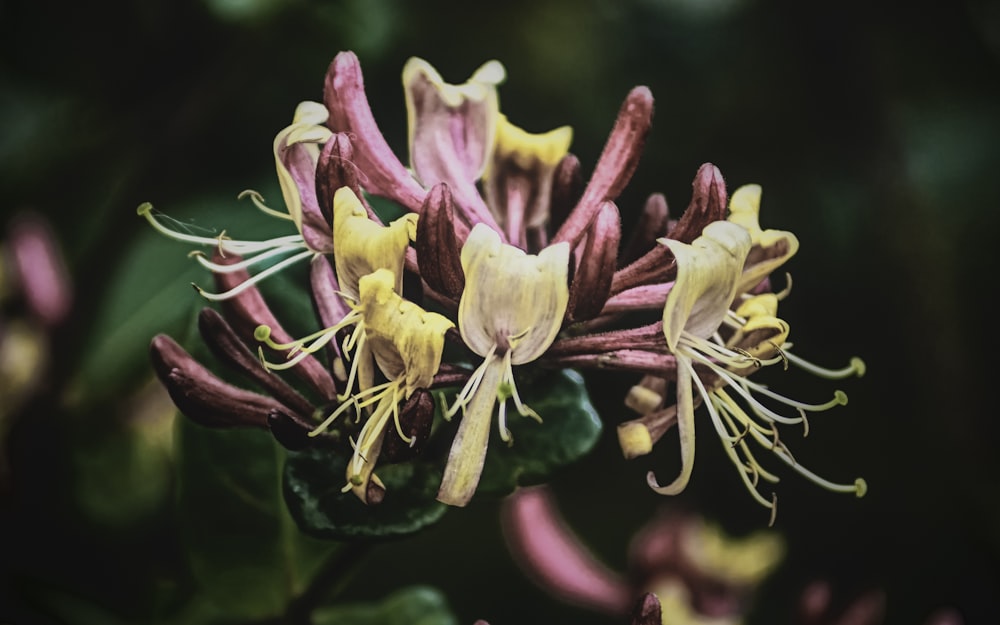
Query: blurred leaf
[
  {"x": 314, "y": 477},
  {"x": 418, "y": 605},
  {"x": 244, "y": 550},
  {"x": 151, "y": 291},
  {"x": 570, "y": 429}
]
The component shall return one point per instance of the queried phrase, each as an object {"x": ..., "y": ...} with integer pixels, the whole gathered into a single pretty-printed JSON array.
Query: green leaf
[
  {"x": 569, "y": 430},
  {"x": 418, "y": 605},
  {"x": 150, "y": 291},
  {"x": 245, "y": 552},
  {"x": 313, "y": 481},
  {"x": 314, "y": 477}
]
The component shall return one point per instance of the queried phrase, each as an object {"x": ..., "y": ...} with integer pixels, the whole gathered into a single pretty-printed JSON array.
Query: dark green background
[{"x": 873, "y": 127}]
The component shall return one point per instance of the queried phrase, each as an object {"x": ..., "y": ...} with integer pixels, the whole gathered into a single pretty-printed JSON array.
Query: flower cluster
[{"x": 504, "y": 258}]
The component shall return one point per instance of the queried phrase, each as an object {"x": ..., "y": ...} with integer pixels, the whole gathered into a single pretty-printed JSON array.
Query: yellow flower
[
  {"x": 709, "y": 277},
  {"x": 770, "y": 248},
  {"x": 518, "y": 180},
  {"x": 510, "y": 311},
  {"x": 406, "y": 343},
  {"x": 361, "y": 246}
]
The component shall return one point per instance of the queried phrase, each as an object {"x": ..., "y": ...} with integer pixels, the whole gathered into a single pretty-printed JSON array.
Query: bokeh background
[{"x": 874, "y": 128}]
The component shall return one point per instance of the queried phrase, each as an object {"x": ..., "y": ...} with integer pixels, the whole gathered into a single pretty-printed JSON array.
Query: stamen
[
  {"x": 740, "y": 384},
  {"x": 859, "y": 487},
  {"x": 246, "y": 284},
  {"x": 726, "y": 438},
  {"x": 242, "y": 248},
  {"x": 258, "y": 201},
  {"x": 856, "y": 367},
  {"x": 246, "y": 262}
]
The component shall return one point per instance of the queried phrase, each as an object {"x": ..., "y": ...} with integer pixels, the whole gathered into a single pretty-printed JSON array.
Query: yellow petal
[
  {"x": 361, "y": 246},
  {"x": 511, "y": 297},
  {"x": 405, "y": 339},
  {"x": 772, "y": 248},
  {"x": 707, "y": 273},
  {"x": 528, "y": 150}
]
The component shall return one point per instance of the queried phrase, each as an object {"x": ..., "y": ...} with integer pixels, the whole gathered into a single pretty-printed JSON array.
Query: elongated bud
[
  {"x": 345, "y": 98},
  {"x": 598, "y": 261},
  {"x": 415, "y": 419},
  {"x": 617, "y": 162},
  {"x": 248, "y": 310},
  {"x": 335, "y": 169},
  {"x": 439, "y": 251},
  {"x": 200, "y": 395},
  {"x": 567, "y": 187},
  {"x": 708, "y": 204},
  {"x": 223, "y": 341},
  {"x": 39, "y": 268},
  {"x": 653, "y": 224},
  {"x": 647, "y": 611}
]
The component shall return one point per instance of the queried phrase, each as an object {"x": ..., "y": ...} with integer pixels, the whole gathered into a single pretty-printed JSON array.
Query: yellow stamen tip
[
  {"x": 859, "y": 366},
  {"x": 840, "y": 397},
  {"x": 860, "y": 487},
  {"x": 144, "y": 209},
  {"x": 262, "y": 333},
  {"x": 643, "y": 400},
  {"x": 634, "y": 440}
]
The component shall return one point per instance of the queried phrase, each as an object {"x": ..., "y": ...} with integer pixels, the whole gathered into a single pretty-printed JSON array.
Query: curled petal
[
  {"x": 771, "y": 248},
  {"x": 518, "y": 181},
  {"x": 296, "y": 151},
  {"x": 707, "y": 273}
]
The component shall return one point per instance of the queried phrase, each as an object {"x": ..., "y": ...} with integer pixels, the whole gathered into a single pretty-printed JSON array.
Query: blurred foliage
[{"x": 874, "y": 129}]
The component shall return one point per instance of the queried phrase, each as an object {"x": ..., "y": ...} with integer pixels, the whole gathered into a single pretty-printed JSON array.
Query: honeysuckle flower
[
  {"x": 709, "y": 272},
  {"x": 452, "y": 129},
  {"x": 406, "y": 343},
  {"x": 511, "y": 245},
  {"x": 296, "y": 152},
  {"x": 517, "y": 182},
  {"x": 699, "y": 574},
  {"x": 511, "y": 310}
]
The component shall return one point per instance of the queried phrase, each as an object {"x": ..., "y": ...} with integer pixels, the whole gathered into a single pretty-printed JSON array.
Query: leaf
[
  {"x": 246, "y": 553},
  {"x": 569, "y": 430},
  {"x": 150, "y": 291},
  {"x": 418, "y": 605},
  {"x": 313, "y": 478},
  {"x": 313, "y": 481}
]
